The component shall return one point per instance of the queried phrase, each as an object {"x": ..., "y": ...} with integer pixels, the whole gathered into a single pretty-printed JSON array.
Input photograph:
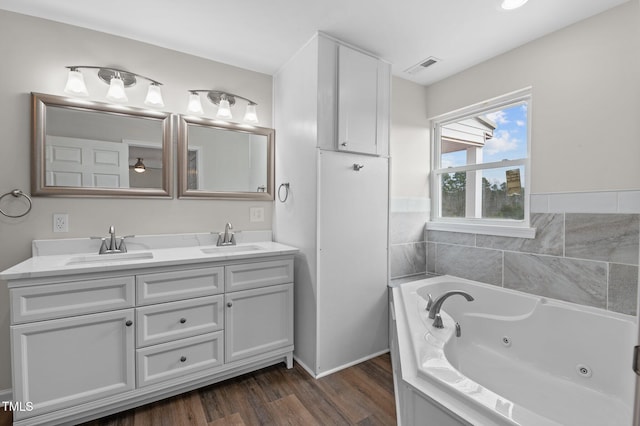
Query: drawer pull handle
[
  {"x": 229, "y": 304},
  {"x": 183, "y": 320},
  {"x": 129, "y": 323},
  {"x": 183, "y": 358}
]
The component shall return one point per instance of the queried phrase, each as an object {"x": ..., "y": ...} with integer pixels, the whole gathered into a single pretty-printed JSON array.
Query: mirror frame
[
  {"x": 40, "y": 102},
  {"x": 183, "y": 144}
]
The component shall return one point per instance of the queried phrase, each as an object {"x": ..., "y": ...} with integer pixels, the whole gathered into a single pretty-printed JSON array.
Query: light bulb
[
  {"x": 116, "y": 90},
  {"x": 224, "y": 110},
  {"x": 250, "y": 116},
  {"x": 194, "y": 106},
  {"x": 139, "y": 167},
  {"x": 75, "y": 83},
  {"x": 512, "y": 4},
  {"x": 154, "y": 96}
]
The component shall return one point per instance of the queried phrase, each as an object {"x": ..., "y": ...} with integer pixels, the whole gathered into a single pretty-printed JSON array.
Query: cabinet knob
[
  {"x": 344, "y": 143},
  {"x": 183, "y": 320},
  {"x": 229, "y": 304},
  {"x": 183, "y": 358},
  {"x": 129, "y": 323}
]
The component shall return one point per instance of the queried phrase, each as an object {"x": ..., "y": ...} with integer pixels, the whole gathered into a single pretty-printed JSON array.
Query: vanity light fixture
[
  {"x": 512, "y": 4},
  {"x": 117, "y": 80},
  {"x": 224, "y": 101},
  {"x": 139, "y": 167}
]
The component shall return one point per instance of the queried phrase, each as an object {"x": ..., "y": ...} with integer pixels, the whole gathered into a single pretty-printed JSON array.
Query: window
[{"x": 481, "y": 168}]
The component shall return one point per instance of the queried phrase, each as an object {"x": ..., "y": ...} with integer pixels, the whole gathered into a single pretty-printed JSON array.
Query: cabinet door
[
  {"x": 65, "y": 362},
  {"x": 258, "y": 321},
  {"x": 357, "y": 101}
]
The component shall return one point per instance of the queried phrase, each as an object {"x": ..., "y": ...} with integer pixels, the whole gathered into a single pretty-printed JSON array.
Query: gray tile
[
  {"x": 572, "y": 280},
  {"x": 608, "y": 237},
  {"x": 623, "y": 288},
  {"x": 451, "y": 238},
  {"x": 477, "y": 264},
  {"x": 408, "y": 259},
  {"x": 431, "y": 257},
  {"x": 407, "y": 227},
  {"x": 548, "y": 240}
]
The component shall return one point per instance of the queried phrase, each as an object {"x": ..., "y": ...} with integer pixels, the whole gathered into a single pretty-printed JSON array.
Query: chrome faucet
[
  {"x": 434, "y": 306},
  {"x": 227, "y": 238},
  {"x": 113, "y": 246}
]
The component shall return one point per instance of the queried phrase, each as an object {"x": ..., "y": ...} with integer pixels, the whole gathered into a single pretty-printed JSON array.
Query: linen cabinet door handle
[
  {"x": 129, "y": 323},
  {"x": 183, "y": 320},
  {"x": 183, "y": 358},
  {"x": 229, "y": 304}
]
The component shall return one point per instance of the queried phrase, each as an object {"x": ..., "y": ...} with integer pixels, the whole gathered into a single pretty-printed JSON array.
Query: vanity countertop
[{"x": 90, "y": 262}]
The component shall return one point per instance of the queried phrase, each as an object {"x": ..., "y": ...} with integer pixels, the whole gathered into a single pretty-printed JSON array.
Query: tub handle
[{"x": 429, "y": 302}]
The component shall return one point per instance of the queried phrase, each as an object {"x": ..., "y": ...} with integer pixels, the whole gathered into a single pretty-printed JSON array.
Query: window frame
[{"x": 488, "y": 226}]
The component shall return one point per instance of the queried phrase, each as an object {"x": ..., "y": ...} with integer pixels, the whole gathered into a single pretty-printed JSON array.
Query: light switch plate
[{"x": 256, "y": 214}]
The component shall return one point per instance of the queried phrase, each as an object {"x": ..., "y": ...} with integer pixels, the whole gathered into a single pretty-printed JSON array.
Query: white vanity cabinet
[{"x": 86, "y": 347}]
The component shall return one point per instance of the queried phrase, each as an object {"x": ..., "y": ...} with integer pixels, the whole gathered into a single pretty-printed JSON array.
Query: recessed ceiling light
[{"x": 512, "y": 4}]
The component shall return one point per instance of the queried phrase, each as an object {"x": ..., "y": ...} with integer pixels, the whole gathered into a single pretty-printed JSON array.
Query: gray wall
[{"x": 35, "y": 53}]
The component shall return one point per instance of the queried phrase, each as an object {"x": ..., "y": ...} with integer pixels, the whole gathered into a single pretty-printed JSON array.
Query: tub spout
[{"x": 434, "y": 312}]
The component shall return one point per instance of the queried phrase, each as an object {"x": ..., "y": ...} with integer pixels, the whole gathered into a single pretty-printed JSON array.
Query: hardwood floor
[{"x": 359, "y": 395}]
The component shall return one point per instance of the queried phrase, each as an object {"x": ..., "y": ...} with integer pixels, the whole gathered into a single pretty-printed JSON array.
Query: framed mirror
[
  {"x": 225, "y": 160},
  {"x": 86, "y": 148}
]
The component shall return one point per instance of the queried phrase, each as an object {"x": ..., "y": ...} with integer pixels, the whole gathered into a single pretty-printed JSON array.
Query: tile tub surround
[
  {"x": 407, "y": 246},
  {"x": 585, "y": 258}
]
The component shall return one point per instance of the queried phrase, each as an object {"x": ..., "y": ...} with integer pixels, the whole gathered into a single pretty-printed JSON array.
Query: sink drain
[{"x": 583, "y": 370}]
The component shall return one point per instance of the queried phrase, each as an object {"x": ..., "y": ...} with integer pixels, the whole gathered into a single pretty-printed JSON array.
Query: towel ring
[
  {"x": 286, "y": 193},
  {"x": 17, "y": 193}
]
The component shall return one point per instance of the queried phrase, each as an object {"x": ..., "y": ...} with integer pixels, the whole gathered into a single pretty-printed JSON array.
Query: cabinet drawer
[
  {"x": 258, "y": 274},
  {"x": 176, "y": 320},
  {"x": 175, "y": 359},
  {"x": 177, "y": 285},
  {"x": 51, "y": 301}
]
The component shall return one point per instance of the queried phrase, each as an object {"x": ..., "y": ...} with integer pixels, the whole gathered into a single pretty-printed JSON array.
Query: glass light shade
[
  {"x": 224, "y": 110},
  {"x": 116, "y": 90},
  {"x": 195, "y": 106},
  {"x": 154, "y": 96},
  {"x": 250, "y": 116},
  {"x": 512, "y": 4},
  {"x": 75, "y": 84},
  {"x": 139, "y": 167}
]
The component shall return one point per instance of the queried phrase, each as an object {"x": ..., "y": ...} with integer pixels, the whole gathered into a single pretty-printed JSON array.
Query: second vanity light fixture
[
  {"x": 224, "y": 101},
  {"x": 117, "y": 80}
]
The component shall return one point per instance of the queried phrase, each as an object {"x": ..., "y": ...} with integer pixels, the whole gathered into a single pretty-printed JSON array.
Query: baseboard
[
  {"x": 351, "y": 364},
  {"x": 304, "y": 367},
  {"x": 6, "y": 394}
]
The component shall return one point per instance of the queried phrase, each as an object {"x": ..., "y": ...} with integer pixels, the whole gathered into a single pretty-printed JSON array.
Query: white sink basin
[
  {"x": 105, "y": 258},
  {"x": 230, "y": 249}
]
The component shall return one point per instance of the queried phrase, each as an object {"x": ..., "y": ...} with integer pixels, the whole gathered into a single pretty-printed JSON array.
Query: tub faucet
[
  {"x": 227, "y": 238},
  {"x": 434, "y": 308}
]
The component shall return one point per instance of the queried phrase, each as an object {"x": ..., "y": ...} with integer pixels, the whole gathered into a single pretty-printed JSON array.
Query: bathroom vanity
[{"x": 96, "y": 334}]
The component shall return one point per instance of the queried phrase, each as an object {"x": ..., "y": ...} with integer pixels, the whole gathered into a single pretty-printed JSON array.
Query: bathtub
[{"x": 520, "y": 359}]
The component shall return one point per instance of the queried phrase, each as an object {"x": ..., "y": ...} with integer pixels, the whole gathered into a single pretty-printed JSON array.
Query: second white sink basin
[
  {"x": 230, "y": 249},
  {"x": 104, "y": 258}
]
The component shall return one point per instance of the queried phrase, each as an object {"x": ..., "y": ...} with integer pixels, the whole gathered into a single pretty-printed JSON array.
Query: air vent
[{"x": 425, "y": 63}]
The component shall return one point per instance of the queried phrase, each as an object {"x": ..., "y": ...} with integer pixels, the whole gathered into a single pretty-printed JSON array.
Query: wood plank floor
[{"x": 359, "y": 395}]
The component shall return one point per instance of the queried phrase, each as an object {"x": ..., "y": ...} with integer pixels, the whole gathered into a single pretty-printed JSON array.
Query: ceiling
[{"x": 261, "y": 35}]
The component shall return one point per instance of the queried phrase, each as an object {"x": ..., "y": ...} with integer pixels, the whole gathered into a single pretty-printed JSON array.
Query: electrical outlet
[
  {"x": 60, "y": 222},
  {"x": 256, "y": 214}
]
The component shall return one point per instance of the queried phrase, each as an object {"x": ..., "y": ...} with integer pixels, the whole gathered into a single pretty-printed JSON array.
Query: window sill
[{"x": 474, "y": 228}]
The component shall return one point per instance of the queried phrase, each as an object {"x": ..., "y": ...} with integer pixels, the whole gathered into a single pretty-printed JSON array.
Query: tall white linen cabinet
[{"x": 332, "y": 113}]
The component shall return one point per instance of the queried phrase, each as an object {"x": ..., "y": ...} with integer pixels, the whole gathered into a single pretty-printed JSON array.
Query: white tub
[{"x": 520, "y": 360}]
